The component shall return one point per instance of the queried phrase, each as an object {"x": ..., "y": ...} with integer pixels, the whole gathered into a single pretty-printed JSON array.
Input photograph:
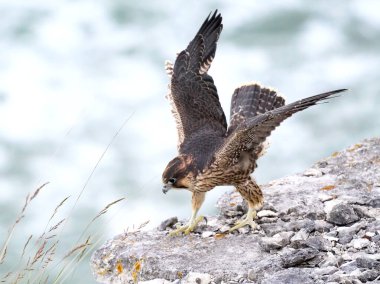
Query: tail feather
[{"x": 251, "y": 100}]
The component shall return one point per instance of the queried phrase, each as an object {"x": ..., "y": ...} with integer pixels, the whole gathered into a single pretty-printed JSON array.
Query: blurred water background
[{"x": 71, "y": 72}]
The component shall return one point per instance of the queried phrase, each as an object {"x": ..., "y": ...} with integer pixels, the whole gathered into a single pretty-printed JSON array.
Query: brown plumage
[{"x": 210, "y": 153}]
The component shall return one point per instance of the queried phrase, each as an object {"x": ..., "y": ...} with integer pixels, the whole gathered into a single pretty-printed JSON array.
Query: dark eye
[{"x": 172, "y": 180}]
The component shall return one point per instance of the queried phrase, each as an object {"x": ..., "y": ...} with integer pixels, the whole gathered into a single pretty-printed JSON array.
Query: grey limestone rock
[
  {"x": 319, "y": 226},
  {"x": 169, "y": 223},
  {"x": 276, "y": 242},
  {"x": 346, "y": 234},
  {"x": 326, "y": 270},
  {"x": 319, "y": 243},
  {"x": 360, "y": 243},
  {"x": 331, "y": 260},
  {"x": 342, "y": 214},
  {"x": 294, "y": 257},
  {"x": 267, "y": 213},
  {"x": 369, "y": 275},
  {"x": 366, "y": 262},
  {"x": 294, "y": 275}
]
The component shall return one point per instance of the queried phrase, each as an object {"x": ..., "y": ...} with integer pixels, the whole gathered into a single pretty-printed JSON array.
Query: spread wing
[
  {"x": 250, "y": 134},
  {"x": 193, "y": 95}
]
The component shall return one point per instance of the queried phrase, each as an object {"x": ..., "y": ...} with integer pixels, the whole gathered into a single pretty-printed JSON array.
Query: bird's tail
[{"x": 251, "y": 100}]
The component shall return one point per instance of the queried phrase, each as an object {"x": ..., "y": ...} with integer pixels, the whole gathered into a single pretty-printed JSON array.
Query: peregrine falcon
[{"x": 210, "y": 153}]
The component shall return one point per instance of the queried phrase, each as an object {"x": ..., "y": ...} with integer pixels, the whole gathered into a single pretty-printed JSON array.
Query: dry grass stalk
[
  {"x": 50, "y": 249},
  {"x": 82, "y": 253},
  {"x": 39, "y": 253},
  {"x": 50, "y": 237},
  {"x": 3, "y": 251},
  {"x": 37, "y": 191},
  {"x": 56, "y": 225},
  {"x": 142, "y": 225},
  {"x": 46, "y": 259},
  {"x": 102, "y": 156},
  {"x": 26, "y": 244},
  {"x": 3, "y": 254},
  {"x": 105, "y": 209},
  {"x": 58, "y": 206},
  {"x": 70, "y": 268},
  {"x": 102, "y": 212},
  {"x": 78, "y": 247},
  {"x": 83, "y": 247},
  {"x": 50, "y": 252},
  {"x": 37, "y": 273},
  {"x": 25, "y": 204},
  {"x": 20, "y": 276},
  {"x": 4, "y": 279}
]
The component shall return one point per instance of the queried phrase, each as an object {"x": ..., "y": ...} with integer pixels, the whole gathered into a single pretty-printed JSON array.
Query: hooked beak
[{"x": 166, "y": 188}]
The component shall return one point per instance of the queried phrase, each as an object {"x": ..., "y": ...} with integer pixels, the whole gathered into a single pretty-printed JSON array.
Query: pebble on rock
[
  {"x": 301, "y": 235},
  {"x": 346, "y": 234},
  {"x": 366, "y": 262},
  {"x": 197, "y": 278},
  {"x": 276, "y": 242},
  {"x": 207, "y": 234},
  {"x": 168, "y": 223},
  {"x": 342, "y": 214},
  {"x": 224, "y": 228},
  {"x": 292, "y": 275},
  {"x": 360, "y": 243},
  {"x": 296, "y": 257},
  {"x": 266, "y": 213},
  {"x": 331, "y": 260},
  {"x": 313, "y": 173},
  {"x": 326, "y": 270},
  {"x": 319, "y": 243}
]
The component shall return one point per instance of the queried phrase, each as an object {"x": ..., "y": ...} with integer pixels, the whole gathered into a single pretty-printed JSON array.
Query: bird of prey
[{"x": 210, "y": 153}]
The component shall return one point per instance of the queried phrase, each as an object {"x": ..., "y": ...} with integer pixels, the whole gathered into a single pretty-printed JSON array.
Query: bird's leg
[
  {"x": 253, "y": 194},
  {"x": 196, "y": 203}
]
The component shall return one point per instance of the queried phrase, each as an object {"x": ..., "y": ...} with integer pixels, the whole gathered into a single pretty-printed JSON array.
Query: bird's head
[{"x": 178, "y": 173}]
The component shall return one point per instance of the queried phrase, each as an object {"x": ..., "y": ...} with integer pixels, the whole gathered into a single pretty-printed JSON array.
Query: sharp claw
[
  {"x": 186, "y": 229},
  {"x": 204, "y": 218}
]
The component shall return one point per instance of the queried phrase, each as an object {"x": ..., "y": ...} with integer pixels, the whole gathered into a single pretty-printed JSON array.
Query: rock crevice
[{"x": 319, "y": 226}]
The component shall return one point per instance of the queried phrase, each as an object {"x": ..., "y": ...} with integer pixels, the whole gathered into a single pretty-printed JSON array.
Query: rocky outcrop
[{"x": 319, "y": 226}]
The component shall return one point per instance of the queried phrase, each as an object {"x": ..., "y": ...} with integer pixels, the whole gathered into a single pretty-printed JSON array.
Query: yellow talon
[
  {"x": 186, "y": 229},
  {"x": 251, "y": 214}
]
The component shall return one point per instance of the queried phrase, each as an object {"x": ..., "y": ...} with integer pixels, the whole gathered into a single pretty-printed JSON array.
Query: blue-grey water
[{"x": 71, "y": 73}]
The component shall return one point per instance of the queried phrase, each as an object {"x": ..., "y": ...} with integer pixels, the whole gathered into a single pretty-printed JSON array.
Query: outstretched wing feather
[
  {"x": 193, "y": 95},
  {"x": 251, "y": 134}
]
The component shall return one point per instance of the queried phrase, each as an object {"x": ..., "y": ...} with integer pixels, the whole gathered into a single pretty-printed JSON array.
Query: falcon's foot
[
  {"x": 186, "y": 229},
  {"x": 251, "y": 214}
]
